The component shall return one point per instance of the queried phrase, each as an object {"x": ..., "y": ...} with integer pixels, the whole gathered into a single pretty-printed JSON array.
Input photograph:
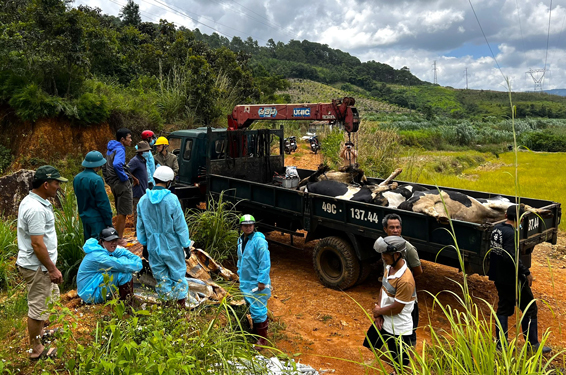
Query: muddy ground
[{"x": 323, "y": 324}]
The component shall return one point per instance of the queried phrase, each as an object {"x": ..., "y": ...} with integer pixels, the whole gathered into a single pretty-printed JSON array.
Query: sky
[{"x": 495, "y": 41}]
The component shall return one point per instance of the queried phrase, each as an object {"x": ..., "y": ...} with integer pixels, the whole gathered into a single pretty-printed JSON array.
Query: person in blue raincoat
[
  {"x": 149, "y": 137},
  {"x": 104, "y": 256},
  {"x": 92, "y": 201},
  {"x": 253, "y": 269},
  {"x": 163, "y": 230}
]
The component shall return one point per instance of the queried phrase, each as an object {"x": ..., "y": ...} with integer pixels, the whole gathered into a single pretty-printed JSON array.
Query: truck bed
[{"x": 321, "y": 216}]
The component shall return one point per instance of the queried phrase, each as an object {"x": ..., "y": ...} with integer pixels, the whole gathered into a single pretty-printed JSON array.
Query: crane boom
[{"x": 340, "y": 111}]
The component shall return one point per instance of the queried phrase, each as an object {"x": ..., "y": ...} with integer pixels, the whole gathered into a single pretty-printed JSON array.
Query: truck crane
[{"x": 340, "y": 111}]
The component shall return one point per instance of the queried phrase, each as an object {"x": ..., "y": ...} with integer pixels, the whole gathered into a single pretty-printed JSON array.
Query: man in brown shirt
[{"x": 393, "y": 324}]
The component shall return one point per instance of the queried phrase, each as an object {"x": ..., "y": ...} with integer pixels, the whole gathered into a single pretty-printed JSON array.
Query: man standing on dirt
[
  {"x": 163, "y": 230},
  {"x": 393, "y": 324},
  {"x": 163, "y": 157},
  {"x": 392, "y": 226},
  {"x": 348, "y": 154},
  {"x": 92, "y": 201},
  {"x": 117, "y": 178},
  {"x": 254, "y": 266},
  {"x": 37, "y": 255},
  {"x": 138, "y": 168},
  {"x": 149, "y": 137},
  {"x": 504, "y": 247}
]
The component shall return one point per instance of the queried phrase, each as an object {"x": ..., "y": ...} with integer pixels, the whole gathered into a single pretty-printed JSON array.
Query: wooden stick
[{"x": 395, "y": 173}]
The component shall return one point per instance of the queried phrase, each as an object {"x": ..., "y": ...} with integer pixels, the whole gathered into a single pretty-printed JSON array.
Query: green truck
[{"x": 242, "y": 164}]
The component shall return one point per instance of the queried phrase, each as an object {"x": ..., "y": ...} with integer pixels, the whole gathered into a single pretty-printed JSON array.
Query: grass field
[{"x": 540, "y": 175}]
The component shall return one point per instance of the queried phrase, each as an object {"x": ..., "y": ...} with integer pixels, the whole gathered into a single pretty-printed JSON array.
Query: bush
[
  {"x": 92, "y": 108},
  {"x": 8, "y": 250},
  {"x": 215, "y": 229},
  {"x": 5, "y": 159},
  {"x": 544, "y": 141}
]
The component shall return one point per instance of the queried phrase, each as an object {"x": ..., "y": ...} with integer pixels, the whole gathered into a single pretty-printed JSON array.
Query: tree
[{"x": 130, "y": 14}]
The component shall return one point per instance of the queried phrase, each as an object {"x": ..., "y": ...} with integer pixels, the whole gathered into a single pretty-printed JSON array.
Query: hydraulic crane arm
[{"x": 340, "y": 111}]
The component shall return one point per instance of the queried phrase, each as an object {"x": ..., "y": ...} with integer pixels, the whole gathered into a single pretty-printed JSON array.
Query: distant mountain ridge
[{"x": 560, "y": 92}]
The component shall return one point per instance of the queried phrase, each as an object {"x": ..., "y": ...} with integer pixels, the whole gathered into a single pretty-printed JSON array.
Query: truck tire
[
  {"x": 336, "y": 263},
  {"x": 365, "y": 270}
]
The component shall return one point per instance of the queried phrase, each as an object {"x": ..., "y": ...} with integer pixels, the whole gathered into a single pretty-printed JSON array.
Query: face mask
[{"x": 152, "y": 142}]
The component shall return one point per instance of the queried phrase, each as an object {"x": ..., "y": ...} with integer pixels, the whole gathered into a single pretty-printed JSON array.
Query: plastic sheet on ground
[
  {"x": 202, "y": 289},
  {"x": 270, "y": 366}
]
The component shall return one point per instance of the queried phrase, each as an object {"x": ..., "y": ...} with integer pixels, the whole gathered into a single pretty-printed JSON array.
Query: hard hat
[
  {"x": 247, "y": 219},
  {"x": 143, "y": 146},
  {"x": 146, "y": 134},
  {"x": 162, "y": 141},
  {"x": 93, "y": 159},
  {"x": 389, "y": 244},
  {"x": 109, "y": 234},
  {"x": 164, "y": 173}
]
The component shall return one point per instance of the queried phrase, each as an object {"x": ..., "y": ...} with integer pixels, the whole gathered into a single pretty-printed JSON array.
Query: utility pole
[
  {"x": 538, "y": 76},
  {"x": 434, "y": 68},
  {"x": 466, "y": 70}
]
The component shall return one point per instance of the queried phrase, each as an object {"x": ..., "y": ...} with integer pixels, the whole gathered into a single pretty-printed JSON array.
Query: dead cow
[
  {"x": 350, "y": 175},
  {"x": 340, "y": 190},
  {"x": 459, "y": 207}
]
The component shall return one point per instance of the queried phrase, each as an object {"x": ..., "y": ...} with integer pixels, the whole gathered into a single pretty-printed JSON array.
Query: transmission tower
[
  {"x": 434, "y": 68},
  {"x": 466, "y": 71},
  {"x": 538, "y": 77}
]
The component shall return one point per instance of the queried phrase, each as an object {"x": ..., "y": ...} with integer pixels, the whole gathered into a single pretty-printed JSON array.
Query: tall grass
[
  {"x": 8, "y": 250},
  {"x": 215, "y": 228},
  {"x": 70, "y": 236}
]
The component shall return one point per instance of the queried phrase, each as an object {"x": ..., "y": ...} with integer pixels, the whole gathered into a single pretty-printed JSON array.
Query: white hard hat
[{"x": 164, "y": 173}]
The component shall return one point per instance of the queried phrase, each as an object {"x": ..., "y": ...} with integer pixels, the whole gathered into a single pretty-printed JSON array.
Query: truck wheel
[
  {"x": 336, "y": 263},
  {"x": 365, "y": 271}
]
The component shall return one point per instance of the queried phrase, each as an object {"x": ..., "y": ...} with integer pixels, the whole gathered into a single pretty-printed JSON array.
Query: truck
[{"x": 241, "y": 164}]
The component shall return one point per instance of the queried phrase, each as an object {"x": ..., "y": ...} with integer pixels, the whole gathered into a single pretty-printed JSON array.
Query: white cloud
[{"x": 411, "y": 33}]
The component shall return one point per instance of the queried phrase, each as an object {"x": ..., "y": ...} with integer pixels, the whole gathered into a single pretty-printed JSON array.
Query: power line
[
  {"x": 255, "y": 19},
  {"x": 182, "y": 13},
  {"x": 485, "y": 37},
  {"x": 548, "y": 35}
]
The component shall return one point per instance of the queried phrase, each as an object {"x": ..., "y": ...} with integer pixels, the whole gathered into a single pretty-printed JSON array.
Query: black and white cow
[
  {"x": 444, "y": 205},
  {"x": 401, "y": 194},
  {"x": 340, "y": 190}
]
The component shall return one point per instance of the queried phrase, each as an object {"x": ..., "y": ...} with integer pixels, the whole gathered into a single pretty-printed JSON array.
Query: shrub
[
  {"x": 8, "y": 249},
  {"x": 70, "y": 236},
  {"x": 544, "y": 141},
  {"x": 214, "y": 229},
  {"x": 5, "y": 159},
  {"x": 31, "y": 103},
  {"x": 92, "y": 108}
]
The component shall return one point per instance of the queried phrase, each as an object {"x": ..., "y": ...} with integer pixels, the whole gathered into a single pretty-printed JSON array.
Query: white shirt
[
  {"x": 35, "y": 218},
  {"x": 402, "y": 323}
]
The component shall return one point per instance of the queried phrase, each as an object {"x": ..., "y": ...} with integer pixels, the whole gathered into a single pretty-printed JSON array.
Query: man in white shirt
[
  {"x": 37, "y": 255},
  {"x": 393, "y": 324}
]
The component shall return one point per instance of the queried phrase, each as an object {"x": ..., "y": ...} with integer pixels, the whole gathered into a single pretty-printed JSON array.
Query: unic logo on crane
[
  {"x": 267, "y": 112},
  {"x": 301, "y": 112}
]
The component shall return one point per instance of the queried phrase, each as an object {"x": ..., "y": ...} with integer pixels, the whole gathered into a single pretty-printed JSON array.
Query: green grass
[{"x": 540, "y": 176}]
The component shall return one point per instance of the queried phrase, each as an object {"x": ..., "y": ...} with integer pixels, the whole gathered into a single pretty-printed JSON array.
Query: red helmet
[{"x": 147, "y": 134}]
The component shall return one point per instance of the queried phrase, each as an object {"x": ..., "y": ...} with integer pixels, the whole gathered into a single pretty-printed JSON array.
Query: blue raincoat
[
  {"x": 150, "y": 165},
  {"x": 119, "y": 264},
  {"x": 253, "y": 268},
  {"x": 163, "y": 229}
]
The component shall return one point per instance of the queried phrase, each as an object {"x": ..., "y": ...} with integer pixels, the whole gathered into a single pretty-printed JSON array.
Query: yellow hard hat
[{"x": 162, "y": 141}]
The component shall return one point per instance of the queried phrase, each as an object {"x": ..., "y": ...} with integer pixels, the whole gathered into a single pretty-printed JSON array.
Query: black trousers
[
  {"x": 507, "y": 301},
  {"x": 415, "y": 316},
  {"x": 398, "y": 345}
]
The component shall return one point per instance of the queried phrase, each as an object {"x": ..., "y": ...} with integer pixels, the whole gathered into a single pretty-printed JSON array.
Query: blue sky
[{"x": 412, "y": 33}]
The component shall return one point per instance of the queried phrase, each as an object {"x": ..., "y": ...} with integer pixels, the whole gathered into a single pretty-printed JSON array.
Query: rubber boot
[
  {"x": 261, "y": 330},
  {"x": 145, "y": 263},
  {"x": 503, "y": 320},
  {"x": 530, "y": 331},
  {"x": 127, "y": 291}
]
